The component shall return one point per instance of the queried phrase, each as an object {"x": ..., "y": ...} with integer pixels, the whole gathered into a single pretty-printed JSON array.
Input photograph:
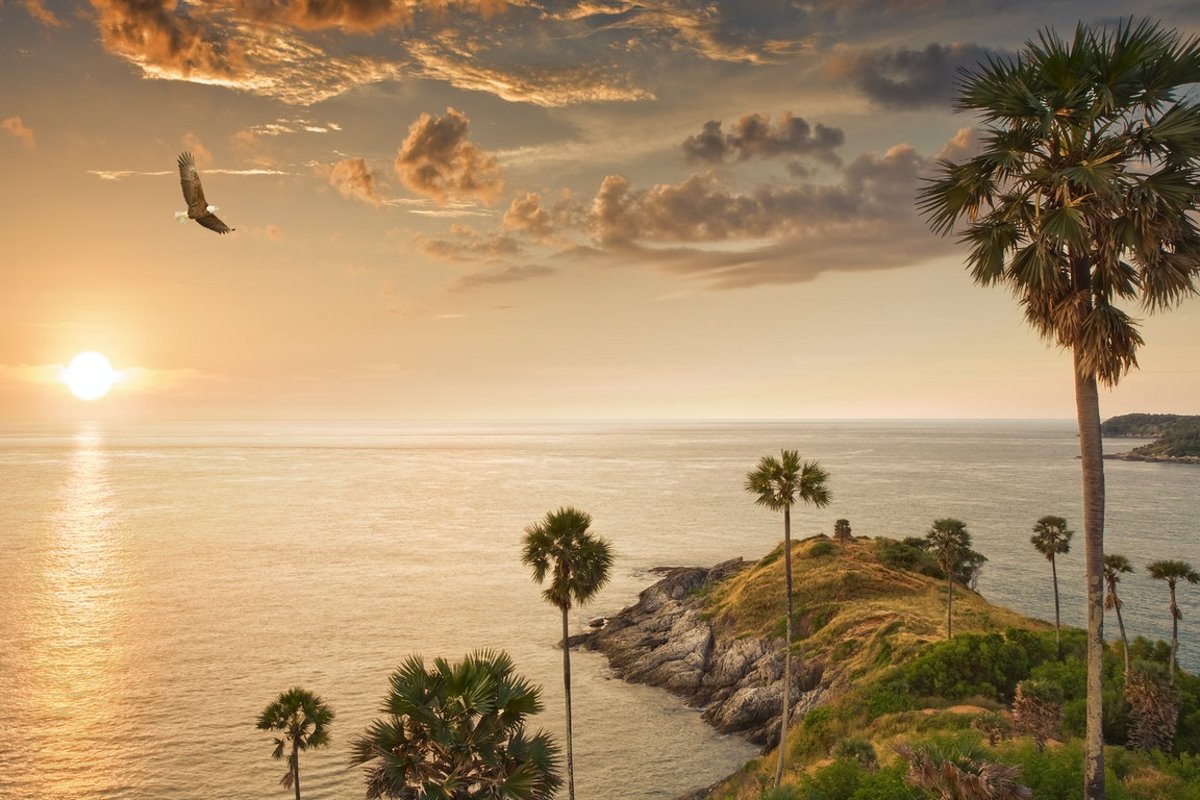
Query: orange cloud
[
  {"x": 17, "y": 128},
  {"x": 354, "y": 180},
  {"x": 437, "y": 160},
  {"x": 38, "y": 11}
]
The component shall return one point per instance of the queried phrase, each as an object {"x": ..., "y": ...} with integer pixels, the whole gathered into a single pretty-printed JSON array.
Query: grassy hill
[{"x": 873, "y": 613}]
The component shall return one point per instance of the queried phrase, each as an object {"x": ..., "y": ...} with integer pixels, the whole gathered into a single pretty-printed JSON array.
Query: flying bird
[{"x": 198, "y": 208}]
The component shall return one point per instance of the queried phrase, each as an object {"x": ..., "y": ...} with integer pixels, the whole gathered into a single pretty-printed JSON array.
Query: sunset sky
[{"x": 528, "y": 209}]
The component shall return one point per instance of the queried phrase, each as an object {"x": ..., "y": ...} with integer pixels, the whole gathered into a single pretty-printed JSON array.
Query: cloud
[
  {"x": 754, "y": 135},
  {"x": 906, "y": 79},
  {"x": 118, "y": 174},
  {"x": 468, "y": 245},
  {"x": 701, "y": 227},
  {"x": 202, "y": 155},
  {"x": 37, "y": 9},
  {"x": 353, "y": 179},
  {"x": 516, "y": 273},
  {"x": 284, "y": 125},
  {"x": 19, "y": 129},
  {"x": 436, "y": 160}
]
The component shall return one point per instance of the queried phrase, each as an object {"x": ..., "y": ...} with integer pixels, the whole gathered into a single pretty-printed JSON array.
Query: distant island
[{"x": 1176, "y": 437}]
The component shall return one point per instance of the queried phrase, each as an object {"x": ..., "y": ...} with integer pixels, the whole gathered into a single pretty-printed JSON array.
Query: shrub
[
  {"x": 887, "y": 784},
  {"x": 983, "y": 664},
  {"x": 857, "y": 749},
  {"x": 837, "y": 781},
  {"x": 820, "y": 548}
]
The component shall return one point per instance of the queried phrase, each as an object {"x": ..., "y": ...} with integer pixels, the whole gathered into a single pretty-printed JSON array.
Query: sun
[{"x": 89, "y": 376}]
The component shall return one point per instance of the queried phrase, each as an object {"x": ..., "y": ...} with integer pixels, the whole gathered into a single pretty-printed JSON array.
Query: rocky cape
[{"x": 667, "y": 640}]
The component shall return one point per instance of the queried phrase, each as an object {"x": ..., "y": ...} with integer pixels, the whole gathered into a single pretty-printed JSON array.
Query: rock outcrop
[{"x": 667, "y": 640}]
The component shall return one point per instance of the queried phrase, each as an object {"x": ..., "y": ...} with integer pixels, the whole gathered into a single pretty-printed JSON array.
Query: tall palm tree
[
  {"x": 1083, "y": 195},
  {"x": 1114, "y": 566},
  {"x": 777, "y": 483},
  {"x": 950, "y": 542},
  {"x": 457, "y": 732},
  {"x": 302, "y": 719},
  {"x": 1172, "y": 572},
  {"x": 1052, "y": 538},
  {"x": 578, "y": 565}
]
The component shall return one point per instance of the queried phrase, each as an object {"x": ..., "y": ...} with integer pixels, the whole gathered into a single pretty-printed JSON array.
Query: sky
[{"x": 532, "y": 209}]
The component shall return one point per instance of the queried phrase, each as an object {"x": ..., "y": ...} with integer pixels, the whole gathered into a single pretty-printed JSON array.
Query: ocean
[{"x": 160, "y": 584}]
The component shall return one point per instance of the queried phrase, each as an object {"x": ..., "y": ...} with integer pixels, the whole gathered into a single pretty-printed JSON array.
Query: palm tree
[
  {"x": 1051, "y": 538},
  {"x": 457, "y": 732},
  {"x": 961, "y": 771},
  {"x": 1172, "y": 572},
  {"x": 950, "y": 542},
  {"x": 302, "y": 720},
  {"x": 578, "y": 565},
  {"x": 1083, "y": 194},
  {"x": 841, "y": 530},
  {"x": 777, "y": 484},
  {"x": 1114, "y": 566}
]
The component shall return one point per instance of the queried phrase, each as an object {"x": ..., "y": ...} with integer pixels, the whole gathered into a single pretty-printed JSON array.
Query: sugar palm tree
[
  {"x": 777, "y": 483},
  {"x": 961, "y": 771},
  {"x": 1172, "y": 572},
  {"x": 1052, "y": 538},
  {"x": 1083, "y": 196},
  {"x": 302, "y": 721},
  {"x": 949, "y": 541},
  {"x": 457, "y": 732},
  {"x": 578, "y": 565},
  {"x": 1116, "y": 565}
]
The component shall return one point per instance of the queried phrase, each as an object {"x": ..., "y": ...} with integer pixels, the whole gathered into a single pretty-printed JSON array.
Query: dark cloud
[
  {"x": 510, "y": 274},
  {"x": 160, "y": 35},
  {"x": 774, "y": 234},
  {"x": 437, "y": 160},
  {"x": 907, "y": 79},
  {"x": 754, "y": 135}
]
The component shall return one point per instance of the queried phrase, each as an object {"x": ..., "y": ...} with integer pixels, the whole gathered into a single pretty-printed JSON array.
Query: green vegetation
[
  {"x": 1082, "y": 198},
  {"x": 1146, "y": 426},
  {"x": 578, "y": 565},
  {"x": 777, "y": 484},
  {"x": 302, "y": 721},
  {"x": 1175, "y": 435},
  {"x": 902, "y": 684},
  {"x": 457, "y": 732}
]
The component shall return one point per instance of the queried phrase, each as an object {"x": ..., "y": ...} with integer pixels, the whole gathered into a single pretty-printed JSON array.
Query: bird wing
[
  {"x": 214, "y": 223},
  {"x": 193, "y": 193}
]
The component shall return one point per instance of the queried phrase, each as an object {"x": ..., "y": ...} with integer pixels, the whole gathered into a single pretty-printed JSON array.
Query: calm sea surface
[{"x": 159, "y": 585}]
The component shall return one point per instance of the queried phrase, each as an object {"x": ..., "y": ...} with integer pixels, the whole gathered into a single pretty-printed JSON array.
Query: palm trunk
[
  {"x": 1174, "y": 629},
  {"x": 296, "y": 768},
  {"x": 787, "y": 652},
  {"x": 1124, "y": 638},
  {"x": 567, "y": 691},
  {"x": 1087, "y": 408},
  {"x": 1057, "y": 634}
]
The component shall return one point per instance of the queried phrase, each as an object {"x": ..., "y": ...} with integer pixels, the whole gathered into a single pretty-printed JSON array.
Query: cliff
[{"x": 714, "y": 636}]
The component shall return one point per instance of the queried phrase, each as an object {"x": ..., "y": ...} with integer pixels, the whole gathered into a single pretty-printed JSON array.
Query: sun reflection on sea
[{"x": 76, "y": 637}]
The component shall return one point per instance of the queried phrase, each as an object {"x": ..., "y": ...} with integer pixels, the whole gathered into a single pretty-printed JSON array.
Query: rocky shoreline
[
  {"x": 665, "y": 639},
  {"x": 1135, "y": 456}
]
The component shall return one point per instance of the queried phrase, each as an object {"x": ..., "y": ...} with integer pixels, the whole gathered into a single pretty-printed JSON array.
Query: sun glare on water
[{"x": 89, "y": 376}]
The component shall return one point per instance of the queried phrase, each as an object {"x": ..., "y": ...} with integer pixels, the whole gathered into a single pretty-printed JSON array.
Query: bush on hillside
[{"x": 978, "y": 664}]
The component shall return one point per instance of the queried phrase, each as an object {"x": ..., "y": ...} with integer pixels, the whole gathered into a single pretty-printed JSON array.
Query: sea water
[{"x": 160, "y": 584}]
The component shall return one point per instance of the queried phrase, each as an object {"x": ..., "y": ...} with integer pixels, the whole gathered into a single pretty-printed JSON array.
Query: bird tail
[{"x": 181, "y": 217}]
